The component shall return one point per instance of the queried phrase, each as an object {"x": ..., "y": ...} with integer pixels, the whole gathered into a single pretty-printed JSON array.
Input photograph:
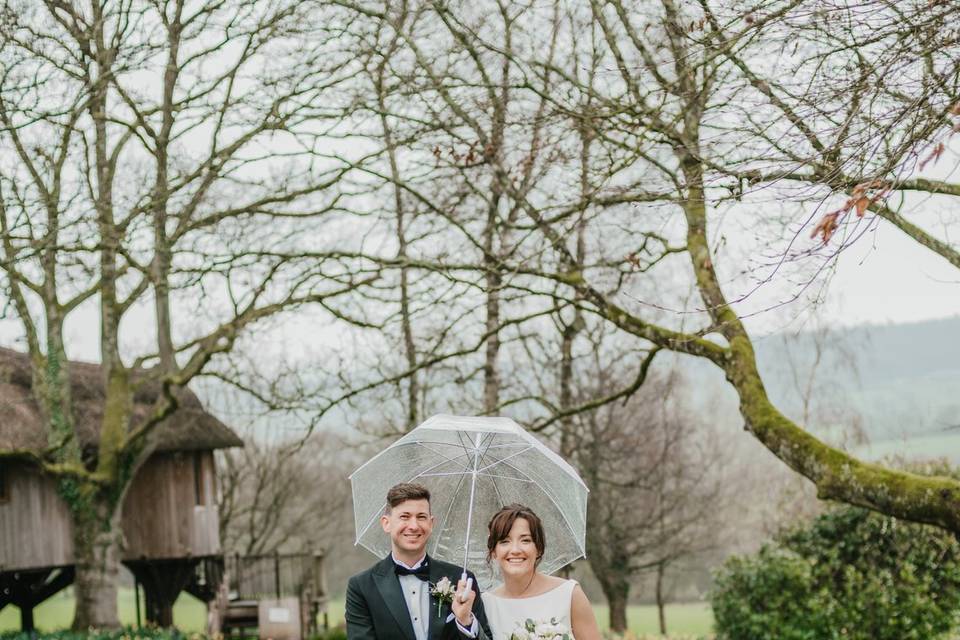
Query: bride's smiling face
[{"x": 517, "y": 553}]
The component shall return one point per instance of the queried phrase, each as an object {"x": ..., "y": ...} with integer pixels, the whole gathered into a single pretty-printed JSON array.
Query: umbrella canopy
[{"x": 473, "y": 466}]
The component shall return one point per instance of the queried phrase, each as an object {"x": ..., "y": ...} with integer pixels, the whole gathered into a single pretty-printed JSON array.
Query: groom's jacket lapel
[
  {"x": 385, "y": 578},
  {"x": 436, "y": 621}
]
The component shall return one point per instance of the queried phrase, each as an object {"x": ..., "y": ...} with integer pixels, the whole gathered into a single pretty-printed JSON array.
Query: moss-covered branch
[
  {"x": 57, "y": 469},
  {"x": 948, "y": 252},
  {"x": 837, "y": 475}
]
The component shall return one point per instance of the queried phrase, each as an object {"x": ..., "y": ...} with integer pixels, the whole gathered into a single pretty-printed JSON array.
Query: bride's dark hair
[{"x": 502, "y": 521}]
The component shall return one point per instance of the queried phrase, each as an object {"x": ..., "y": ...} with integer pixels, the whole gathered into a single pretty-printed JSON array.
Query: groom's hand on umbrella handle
[
  {"x": 466, "y": 590},
  {"x": 462, "y": 604}
]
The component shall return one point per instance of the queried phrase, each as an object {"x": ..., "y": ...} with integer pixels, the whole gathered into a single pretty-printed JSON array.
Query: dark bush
[{"x": 850, "y": 574}]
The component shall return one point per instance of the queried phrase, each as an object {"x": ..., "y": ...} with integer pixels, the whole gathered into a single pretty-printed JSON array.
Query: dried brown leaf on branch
[
  {"x": 826, "y": 227},
  {"x": 934, "y": 155}
]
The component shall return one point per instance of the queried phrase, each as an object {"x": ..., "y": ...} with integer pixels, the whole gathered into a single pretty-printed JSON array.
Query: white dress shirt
[{"x": 416, "y": 592}]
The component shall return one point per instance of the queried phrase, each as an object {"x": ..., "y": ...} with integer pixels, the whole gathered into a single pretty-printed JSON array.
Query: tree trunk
[
  {"x": 26, "y": 618},
  {"x": 494, "y": 279},
  {"x": 97, "y": 549},
  {"x": 568, "y": 439},
  {"x": 660, "y": 603},
  {"x": 491, "y": 374},
  {"x": 406, "y": 323},
  {"x": 617, "y": 592}
]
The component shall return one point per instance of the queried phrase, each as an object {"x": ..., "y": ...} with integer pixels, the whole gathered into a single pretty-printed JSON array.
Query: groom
[{"x": 392, "y": 600}]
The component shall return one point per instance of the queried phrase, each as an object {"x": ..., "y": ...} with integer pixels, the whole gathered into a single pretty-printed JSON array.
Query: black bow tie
[{"x": 422, "y": 572}]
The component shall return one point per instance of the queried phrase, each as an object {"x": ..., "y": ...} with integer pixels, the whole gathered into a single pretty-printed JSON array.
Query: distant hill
[{"x": 903, "y": 381}]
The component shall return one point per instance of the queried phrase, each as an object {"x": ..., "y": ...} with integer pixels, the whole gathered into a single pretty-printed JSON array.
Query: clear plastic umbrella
[{"x": 473, "y": 466}]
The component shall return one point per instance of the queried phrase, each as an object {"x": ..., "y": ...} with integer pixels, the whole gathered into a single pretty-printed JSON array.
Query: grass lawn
[
  {"x": 189, "y": 614},
  {"x": 695, "y": 618}
]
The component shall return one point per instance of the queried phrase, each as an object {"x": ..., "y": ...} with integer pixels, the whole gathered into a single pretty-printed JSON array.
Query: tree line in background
[{"x": 507, "y": 206}]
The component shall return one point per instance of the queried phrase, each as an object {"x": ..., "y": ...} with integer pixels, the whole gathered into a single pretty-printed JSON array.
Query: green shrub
[{"x": 850, "y": 574}]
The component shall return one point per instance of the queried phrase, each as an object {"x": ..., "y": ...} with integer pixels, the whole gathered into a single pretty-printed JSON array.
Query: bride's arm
[{"x": 582, "y": 620}]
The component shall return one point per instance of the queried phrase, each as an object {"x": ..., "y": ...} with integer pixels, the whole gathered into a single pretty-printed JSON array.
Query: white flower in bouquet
[
  {"x": 541, "y": 630},
  {"x": 521, "y": 634}
]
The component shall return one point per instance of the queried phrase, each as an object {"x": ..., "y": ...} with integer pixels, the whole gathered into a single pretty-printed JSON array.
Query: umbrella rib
[
  {"x": 505, "y": 445},
  {"x": 453, "y": 499},
  {"x": 483, "y": 453},
  {"x": 376, "y": 514},
  {"x": 424, "y": 444},
  {"x": 502, "y": 445},
  {"x": 500, "y": 460},
  {"x": 467, "y": 446},
  {"x": 467, "y": 472},
  {"x": 427, "y": 473},
  {"x": 496, "y": 488},
  {"x": 370, "y": 522},
  {"x": 512, "y": 478},
  {"x": 523, "y": 473},
  {"x": 546, "y": 493}
]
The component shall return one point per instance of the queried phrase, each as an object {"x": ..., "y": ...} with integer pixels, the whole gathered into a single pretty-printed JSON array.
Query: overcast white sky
[{"x": 885, "y": 277}]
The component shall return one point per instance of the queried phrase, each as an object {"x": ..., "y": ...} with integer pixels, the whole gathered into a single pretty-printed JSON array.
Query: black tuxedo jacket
[{"x": 377, "y": 610}]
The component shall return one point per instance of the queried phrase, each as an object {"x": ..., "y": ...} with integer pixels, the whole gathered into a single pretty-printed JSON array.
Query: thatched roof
[{"x": 22, "y": 427}]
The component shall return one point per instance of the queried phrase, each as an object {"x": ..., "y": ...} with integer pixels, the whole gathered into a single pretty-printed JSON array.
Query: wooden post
[
  {"x": 276, "y": 572},
  {"x": 26, "y": 617},
  {"x": 319, "y": 577},
  {"x": 136, "y": 600},
  {"x": 240, "y": 592},
  {"x": 162, "y": 582},
  {"x": 26, "y": 589}
]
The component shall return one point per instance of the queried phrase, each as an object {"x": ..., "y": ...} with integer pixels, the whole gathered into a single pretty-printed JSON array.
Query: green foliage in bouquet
[
  {"x": 850, "y": 574},
  {"x": 532, "y": 629}
]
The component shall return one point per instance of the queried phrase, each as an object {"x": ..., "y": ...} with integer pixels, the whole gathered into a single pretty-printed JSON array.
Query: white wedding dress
[{"x": 506, "y": 614}]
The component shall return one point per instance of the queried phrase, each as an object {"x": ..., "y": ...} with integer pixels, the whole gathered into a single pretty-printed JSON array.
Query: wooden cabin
[
  {"x": 170, "y": 520},
  {"x": 35, "y": 529}
]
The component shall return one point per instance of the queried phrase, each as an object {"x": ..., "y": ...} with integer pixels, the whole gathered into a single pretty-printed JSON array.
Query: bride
[{"x": 516, "y": 542}]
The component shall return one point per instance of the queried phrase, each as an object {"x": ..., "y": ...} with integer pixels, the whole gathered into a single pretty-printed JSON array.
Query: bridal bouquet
[{"x": 550, "y": 629}]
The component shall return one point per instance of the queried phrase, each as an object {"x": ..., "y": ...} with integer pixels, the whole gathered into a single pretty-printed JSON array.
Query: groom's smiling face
[{"x": 409, "y": 525}]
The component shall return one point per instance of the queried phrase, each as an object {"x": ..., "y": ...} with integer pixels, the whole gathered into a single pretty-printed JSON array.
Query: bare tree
[
  {"x": 656, "y": 489},
  {"x": 679, "y": 75},
  {"x": 283, "y": 497},
  {"x": 560, "y": 162},
  {"x": 144, "y": 191}
]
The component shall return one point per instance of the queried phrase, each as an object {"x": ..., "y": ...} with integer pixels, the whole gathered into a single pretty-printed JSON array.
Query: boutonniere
[{"x": 443, "y": 592}]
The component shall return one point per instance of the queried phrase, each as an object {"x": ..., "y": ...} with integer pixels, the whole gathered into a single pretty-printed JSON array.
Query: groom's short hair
[{"x": 404, "y": 491}]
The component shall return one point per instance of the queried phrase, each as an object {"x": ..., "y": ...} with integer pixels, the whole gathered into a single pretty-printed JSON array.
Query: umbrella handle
[{"x": 463, "y": 594}]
